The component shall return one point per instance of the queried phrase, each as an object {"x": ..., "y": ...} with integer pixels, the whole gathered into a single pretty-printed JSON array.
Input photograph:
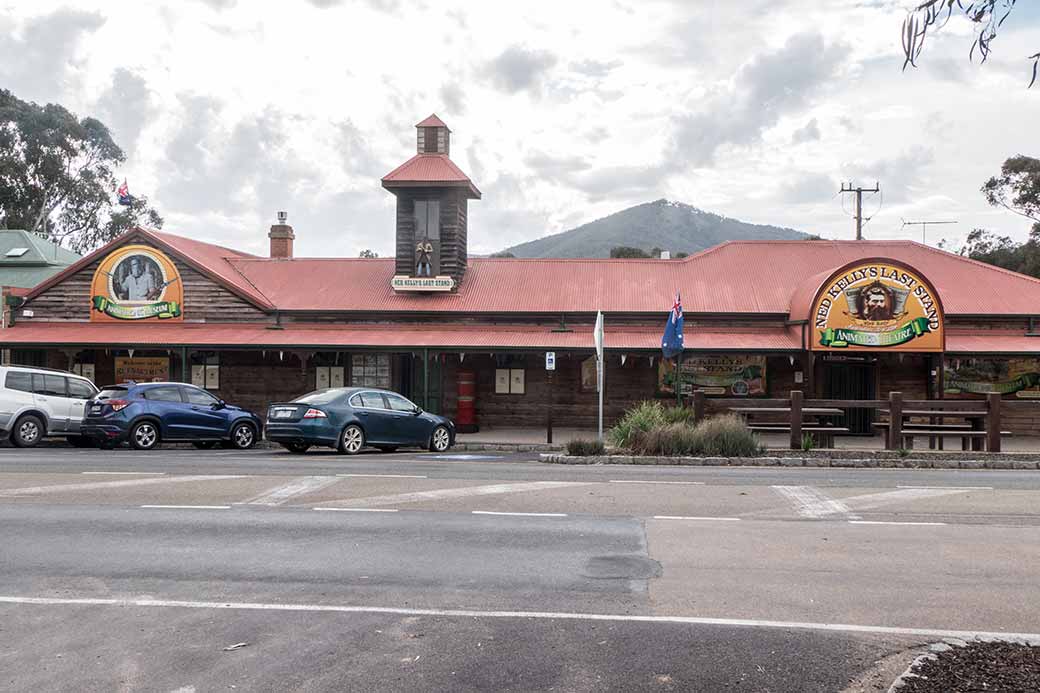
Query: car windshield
[
  {"x": 320, "y": 396},
  {"x": 112, "y": 393}
]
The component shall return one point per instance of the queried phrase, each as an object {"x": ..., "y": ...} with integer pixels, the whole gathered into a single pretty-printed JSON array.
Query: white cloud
[{"x": 560, "y": 112}]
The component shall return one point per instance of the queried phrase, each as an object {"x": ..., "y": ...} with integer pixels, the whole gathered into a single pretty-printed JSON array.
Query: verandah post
[
  {"x": 895, "y": 421},
  {"x": 796, "y": 419},
  {"x": 993, "y": 422},
  {"x": 678, "y": 379},
  {"x": 698, "y": 405}
]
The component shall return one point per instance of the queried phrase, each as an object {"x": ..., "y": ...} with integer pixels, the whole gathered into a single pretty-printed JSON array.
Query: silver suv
[{"x": 38, "y": 402}]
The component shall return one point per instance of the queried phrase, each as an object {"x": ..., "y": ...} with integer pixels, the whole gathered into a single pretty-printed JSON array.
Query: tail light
[
  {"x": 118, "y": 404},
  {"x": 315, "y": 414}
]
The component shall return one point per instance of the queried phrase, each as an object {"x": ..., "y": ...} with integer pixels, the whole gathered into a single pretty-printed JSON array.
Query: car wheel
[
  {"x": 27, "y": 431},
  {"x": 82, "y": 442},
  {"x": 144, "y": 435},
  {"x": 386, "y": 448},
  {"x": 296, "y": 448},
  {"x": 205, "y": 444},
  {"x": 351, "y": 440},
  {"x": 440, "y": 440},
  {"x": 243, "y": 436}
]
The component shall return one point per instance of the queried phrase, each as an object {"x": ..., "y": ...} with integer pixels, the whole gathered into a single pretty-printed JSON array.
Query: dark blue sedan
[
  {"x": 349, "y": 418},
  {"x": 148, "y": 413}
]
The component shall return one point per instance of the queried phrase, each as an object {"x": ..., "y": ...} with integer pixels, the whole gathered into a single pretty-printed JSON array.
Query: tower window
[
  {"x": 428, "y": 219},
  {"x": 430, "y": 141}
]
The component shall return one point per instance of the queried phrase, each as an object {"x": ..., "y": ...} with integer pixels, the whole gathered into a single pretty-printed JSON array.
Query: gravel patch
[{"x": 994, "y": 667}]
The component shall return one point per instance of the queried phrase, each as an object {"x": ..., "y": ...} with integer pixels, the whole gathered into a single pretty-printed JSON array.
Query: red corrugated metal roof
[
  {"x": 209, "y": 259},
  {"x": 740, "y": 277},
  {"x": 991, "y": 341},
  {"x": 391, "y": 336},
  {"x": 429, "y": 169},
  {"x": 431, "y": 122}
]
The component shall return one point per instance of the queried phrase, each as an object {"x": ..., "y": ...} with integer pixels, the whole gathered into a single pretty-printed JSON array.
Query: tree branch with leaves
[{"x": 932, "y": 15}]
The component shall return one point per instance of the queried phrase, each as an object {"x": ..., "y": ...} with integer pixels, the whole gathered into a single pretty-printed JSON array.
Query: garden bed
[{"x": 995, "y": 667}]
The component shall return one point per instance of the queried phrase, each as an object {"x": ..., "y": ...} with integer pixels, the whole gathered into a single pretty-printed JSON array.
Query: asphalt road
[{"x": 129, "y": 571}]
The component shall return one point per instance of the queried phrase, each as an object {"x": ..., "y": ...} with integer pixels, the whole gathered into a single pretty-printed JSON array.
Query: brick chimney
[{"x": 282, "y": 237}]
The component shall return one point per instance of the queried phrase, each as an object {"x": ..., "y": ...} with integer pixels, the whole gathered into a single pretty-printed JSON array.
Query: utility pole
[
  {"x": 859, "y": 204},
  {"x": 924, "y": 227}
]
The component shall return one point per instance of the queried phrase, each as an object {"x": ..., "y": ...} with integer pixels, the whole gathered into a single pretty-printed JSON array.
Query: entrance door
[{"x": 852, "y": 381}]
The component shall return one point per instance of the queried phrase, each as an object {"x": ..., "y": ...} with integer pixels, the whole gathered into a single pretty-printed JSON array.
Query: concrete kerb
[{"x": 865, "y": 459}]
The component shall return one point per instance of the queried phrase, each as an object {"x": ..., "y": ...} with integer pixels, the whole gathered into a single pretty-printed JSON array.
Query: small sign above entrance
[
  {"x": 550, "y": 360},
  {"x": 439, "y": 283}
]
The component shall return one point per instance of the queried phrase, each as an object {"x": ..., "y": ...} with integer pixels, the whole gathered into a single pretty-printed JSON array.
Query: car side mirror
[
  {"x": 219, "y": 404},
  {"x": 417, "y": 410}
]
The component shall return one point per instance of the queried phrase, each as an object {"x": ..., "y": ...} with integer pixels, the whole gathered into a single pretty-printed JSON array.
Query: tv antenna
[{"x": 924, "y": 227}]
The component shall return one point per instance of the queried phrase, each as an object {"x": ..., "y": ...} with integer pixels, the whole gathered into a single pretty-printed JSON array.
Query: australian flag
[
  {"x": 125, "y": 198},
  {"x": 672, "y": 342}
]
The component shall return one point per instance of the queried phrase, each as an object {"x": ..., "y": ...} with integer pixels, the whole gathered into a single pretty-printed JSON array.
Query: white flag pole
[{"x": 597, "y": 335}]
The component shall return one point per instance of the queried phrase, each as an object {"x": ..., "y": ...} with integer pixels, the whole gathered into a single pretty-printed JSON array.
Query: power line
[{"x": 859, "y": 204}]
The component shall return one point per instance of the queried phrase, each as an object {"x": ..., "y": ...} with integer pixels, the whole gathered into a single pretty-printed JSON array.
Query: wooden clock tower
[{"x": 432, "y": 196}]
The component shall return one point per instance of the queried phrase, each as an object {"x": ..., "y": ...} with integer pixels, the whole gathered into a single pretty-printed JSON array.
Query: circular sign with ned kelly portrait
[{"x": 136, "y": 282}]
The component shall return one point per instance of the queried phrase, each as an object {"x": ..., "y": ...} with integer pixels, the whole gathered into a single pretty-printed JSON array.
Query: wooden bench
[
  {"x": 824, "y": 435},
  {"x": 965, "y": 435}
]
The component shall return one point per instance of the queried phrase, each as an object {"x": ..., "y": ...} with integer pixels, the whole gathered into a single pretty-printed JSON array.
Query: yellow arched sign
[
  {"x": 877, "y": 305},
  {"x": 136, "y": 282}
]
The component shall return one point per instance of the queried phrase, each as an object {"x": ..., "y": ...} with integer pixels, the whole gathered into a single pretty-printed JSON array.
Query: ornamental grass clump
[
  {"x": 583, "y": 447},
  {"x": 726, "y": 435},
  {"x": 636, "y": 423},
  {"x": 683, "y": 415},
  {"x": 670, "y": 440}
]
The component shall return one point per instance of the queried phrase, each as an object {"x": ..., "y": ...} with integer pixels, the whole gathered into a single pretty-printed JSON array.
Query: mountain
[{"x": 672, "y": 226}]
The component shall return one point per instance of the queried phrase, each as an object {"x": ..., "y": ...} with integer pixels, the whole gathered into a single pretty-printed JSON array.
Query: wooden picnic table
[
  {"x": 971, "y": 433},
  {"x": 949, "y": 413}
]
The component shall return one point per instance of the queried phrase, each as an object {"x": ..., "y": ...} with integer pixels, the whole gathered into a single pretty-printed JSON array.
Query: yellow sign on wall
[
  {"x": 142, "y": 369},
  {"x": 877, "y": 305},
  {"x": 136, "y": 282}
]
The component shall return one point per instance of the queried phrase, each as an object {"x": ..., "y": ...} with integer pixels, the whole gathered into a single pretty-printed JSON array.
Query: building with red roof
[{"x": 836, "y": 319}]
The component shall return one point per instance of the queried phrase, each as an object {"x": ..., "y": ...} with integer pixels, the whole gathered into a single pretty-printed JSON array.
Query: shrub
[
  {"x": 670, "y": 440},
  {"x": 582, "y": 447},
  {"x": 683, "y": 415},
  {"x": 808, "y": 443},
  {"x": 726, "y": 436},
  {"x": 636, "y": 422}
]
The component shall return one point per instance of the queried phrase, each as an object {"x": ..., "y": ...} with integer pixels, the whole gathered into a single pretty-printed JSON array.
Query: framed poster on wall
[
  {"x": 720, "y": 375},
  {"x": 973, "y": 378}
]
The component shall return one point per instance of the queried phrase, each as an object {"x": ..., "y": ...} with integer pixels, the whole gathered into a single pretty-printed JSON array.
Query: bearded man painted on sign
[{"x": 876, "y": 302}]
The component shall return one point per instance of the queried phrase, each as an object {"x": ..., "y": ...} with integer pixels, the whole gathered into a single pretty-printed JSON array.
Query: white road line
[
  {"x": 359, "y": 510},
  {"x": 870, "y": 501},
  {"x": 462, "y": 492},
  {"x": 283, "y": 493},
  {"x": 127, "y": 473},
  {"x": 491, "y": 512},
  {"x": 389, "y": 476},
  {"x": 103, "y": 485},
  {"x": 880, "y": 522},
  {"x": 953, "y": 488},
  {"x": 539, "y": 615},
  {"x": 189, "y": 507},
  {"x": 684, "y": 517},
  {"x": 637, "y": 481},
  {"x": 810, "y": 501}
]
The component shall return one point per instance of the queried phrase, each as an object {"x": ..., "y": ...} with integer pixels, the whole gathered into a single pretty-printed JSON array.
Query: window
[
  {"x": 355, "y": 401},
  {"x": 49, "y": 385},
  {"x": 168, "y": 393},
  {"x": 84, "y": 369},
  {"x": 370, "y": 370},
  {"x": 80, "y": 389},
  {"x": 428, "y": 219},
  {"x": 429, "y": 140},
  {"x": 205, "y": 370},
  {"x": 199, "y": 397},
  {"x": 320, "y": 396},
  {"x": 399, "y": 403},
  {"x": 113, "y": 393},
  {"x": 509, "y": 381},
  {"x": 372, "y": 400},
  {"x": 19, "y": 380}
]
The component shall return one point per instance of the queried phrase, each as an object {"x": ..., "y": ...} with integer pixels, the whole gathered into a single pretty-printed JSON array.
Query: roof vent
[
  {"x": 666, "y": 255},
  {"x": 17, "y": 252},
  {"x": 283, "y": 217}
]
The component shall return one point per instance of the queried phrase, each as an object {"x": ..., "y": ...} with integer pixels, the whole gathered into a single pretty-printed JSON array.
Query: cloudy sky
[{"x": 561, "y": 112}]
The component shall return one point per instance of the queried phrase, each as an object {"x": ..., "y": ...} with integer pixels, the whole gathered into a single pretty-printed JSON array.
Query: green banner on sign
[
  {"x": 160, "y": 309},
  {"x": 841, "y": 337}
]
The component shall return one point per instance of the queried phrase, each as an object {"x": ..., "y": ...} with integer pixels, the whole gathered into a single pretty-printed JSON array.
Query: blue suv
[{"x": 145, "y": 414}]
